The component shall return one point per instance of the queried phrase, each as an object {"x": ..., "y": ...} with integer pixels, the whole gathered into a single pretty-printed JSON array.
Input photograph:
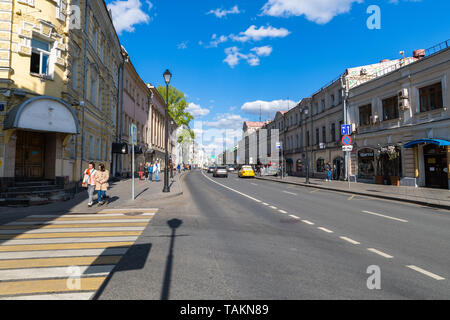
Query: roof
[{"x": 254, "y": 123}]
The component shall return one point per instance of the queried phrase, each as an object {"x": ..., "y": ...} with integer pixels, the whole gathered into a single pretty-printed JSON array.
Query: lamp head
[{"x": 167, "y": 76}]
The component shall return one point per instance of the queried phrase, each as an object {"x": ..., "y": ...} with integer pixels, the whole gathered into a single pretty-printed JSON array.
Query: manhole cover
[{"x": 133, "y": 213}]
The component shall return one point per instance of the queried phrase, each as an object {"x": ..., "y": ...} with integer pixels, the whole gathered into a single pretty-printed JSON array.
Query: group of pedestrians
[
  {"x": 147, "y": 170},
  {"x": 96, "y": 180}
]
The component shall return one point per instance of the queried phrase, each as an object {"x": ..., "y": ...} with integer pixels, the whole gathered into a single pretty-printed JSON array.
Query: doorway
[
  {"x": 30, "y": 149},
  {"x": 435, "y": 166},
  {"x": 338, "y": 168}
]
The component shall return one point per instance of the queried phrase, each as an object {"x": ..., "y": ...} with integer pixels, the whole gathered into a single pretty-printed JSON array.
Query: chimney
[{"x": 419, "y": 54}]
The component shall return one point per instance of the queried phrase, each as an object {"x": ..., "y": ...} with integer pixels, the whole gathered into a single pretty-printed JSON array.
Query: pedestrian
[
  {"x": 156, "y": 170},
  {"x": 328, "y": 168},
  {"x": 150, "y": 172},
  {"x": 141, "y": 171},
  {"x": 89, "y": 182},
  {"x": 101, "y": 183},
  {"x": 146, "y": 171}
]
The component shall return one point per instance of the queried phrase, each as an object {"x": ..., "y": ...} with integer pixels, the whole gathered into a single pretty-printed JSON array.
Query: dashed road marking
[
  {"x": 384, "y": 216},
  {"x": 253, "y": 184},
  {"x": 273, "y": 207},
  {"x": 291, "y": 193},
  {"x": 325, "y": 229},
  {"x": 308, "y": 222},
  {"x": 425, "y": 272},
  {"x": 351, "y": 197},
  {"x": 266, "y": 204},
  {"x": 349, "y": 240},
  {"x": 295, "y": 217},
  {"x": 380, "y": 253},
  {"x": 315, "y": 190},
  {"x": 282, "y": 211}
]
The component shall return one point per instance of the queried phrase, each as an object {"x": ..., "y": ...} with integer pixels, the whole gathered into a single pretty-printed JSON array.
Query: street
[{"x": 230, "y": 238}]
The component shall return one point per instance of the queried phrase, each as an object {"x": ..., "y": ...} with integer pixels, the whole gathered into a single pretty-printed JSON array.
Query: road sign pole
[{"x": 132, "y": 172}]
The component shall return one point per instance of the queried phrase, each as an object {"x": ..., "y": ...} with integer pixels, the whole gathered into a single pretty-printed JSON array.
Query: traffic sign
[
  {"x": 133, "y": 132},
  {"x": 278, "y": 145},
  {"x": 347, "y": 148},
  {"x": 346, "y": 129},
  {"x": 346, "y": 140}
]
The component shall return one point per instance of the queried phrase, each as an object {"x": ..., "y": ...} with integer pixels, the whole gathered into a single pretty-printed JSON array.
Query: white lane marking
[
  {"x": 62, "y": 253},
  {"x": 254, "y": 184},
  {"x": 316, "y": 190},
  {"x": 295, "y": 217},
  {"x": 52, "y": 272},
  {"x": 308, "y": 222},
  {"x": 54, "y": 296},
  {"x": 294, "y": 194},
  {"x": 380, "y": 253},
  {"x": 22, "y": 223},
  {"x": 27, "y": 231},
  {"x": 70, "y": 240},
  {"x": 132, "y": 209},
  {"x": 349, "y": 240},
  {"x": 231, "y": 189},
  {"x": 384, "y": 216},
  {"x": 99, "y": 215},
  {"x": 282, "y": 211},
  {"x": 425, "y": 272},
  {"x": 273, "y": 207},
  {"x": 266, "y": 204},
  {"x": 325, "y": 229}
]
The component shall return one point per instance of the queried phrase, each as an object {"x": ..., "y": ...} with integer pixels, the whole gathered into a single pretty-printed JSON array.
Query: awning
[
  {"x": 437, "y": 142},
  {"x": 43, "y": 113}
]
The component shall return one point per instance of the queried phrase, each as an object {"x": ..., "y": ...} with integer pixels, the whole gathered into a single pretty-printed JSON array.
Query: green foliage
[{"x": 177, "y": 105}]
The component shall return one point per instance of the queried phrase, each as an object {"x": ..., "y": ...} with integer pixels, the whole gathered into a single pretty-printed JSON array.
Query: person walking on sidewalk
[
  {"x": 101, "y": 179},
  {"x": 141, "y": 171},
  {"x": 150, "y": 172},
  {"x": 328, "y": 168},
  {"x": 156, "y": 170},
  {"x": 89, "y": 182}
]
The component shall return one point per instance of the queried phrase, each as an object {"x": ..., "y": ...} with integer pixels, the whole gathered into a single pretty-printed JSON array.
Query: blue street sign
[{"x": 346, "y": 129}]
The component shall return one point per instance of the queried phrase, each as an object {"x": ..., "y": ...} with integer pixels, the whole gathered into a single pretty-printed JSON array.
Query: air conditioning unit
[
  {"x": 403, "y": 94},
  {"x": 403, "y": 104},
  {"x": 374, "y": 119}
]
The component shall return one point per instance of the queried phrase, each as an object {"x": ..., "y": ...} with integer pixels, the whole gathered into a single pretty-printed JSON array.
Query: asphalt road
[{"x": 230, "y": 238}]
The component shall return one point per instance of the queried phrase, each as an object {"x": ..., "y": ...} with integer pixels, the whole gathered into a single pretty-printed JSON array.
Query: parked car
[
  {"x": 246, "y": 171},
  {"x": 211, "y": 169},
  {"x": 220, "y": 171}
]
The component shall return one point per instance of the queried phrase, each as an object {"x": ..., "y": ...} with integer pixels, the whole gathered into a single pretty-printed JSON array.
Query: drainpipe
[{"x": 86, "y": 35}]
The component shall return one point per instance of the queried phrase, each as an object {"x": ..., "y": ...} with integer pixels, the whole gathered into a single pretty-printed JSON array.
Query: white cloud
[
  {"x": 182, "y": 45},
  {"x": 267, "y": 106},
  {"x": 196, "y": 110},
  {"x": 215, "y": 41},
  {"x": 128, "y": 13},
  {"x": 319, "y": 11},
  {"x": 263, "y": 51},
  {"x": 234, "y": 56},
  {"x": 225, "y": 121},
  {"x": 220, "y": 13},
  {"x": 252, "y": 33}
]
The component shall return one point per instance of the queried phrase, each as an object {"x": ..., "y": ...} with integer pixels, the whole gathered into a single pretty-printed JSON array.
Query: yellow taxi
[{"x": 246, "y": 171}]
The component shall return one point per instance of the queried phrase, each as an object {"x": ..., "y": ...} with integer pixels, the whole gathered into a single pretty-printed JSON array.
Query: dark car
[
  {"x": 220, "y": 171},
  {"x": 211, "y": 169}
]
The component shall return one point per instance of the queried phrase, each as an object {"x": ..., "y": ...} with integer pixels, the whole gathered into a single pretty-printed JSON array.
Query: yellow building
[{"x": 59, "y": 79}]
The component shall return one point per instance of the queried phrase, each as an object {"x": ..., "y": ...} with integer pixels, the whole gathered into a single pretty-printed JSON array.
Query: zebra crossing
[{"x": 48, "y": 257}]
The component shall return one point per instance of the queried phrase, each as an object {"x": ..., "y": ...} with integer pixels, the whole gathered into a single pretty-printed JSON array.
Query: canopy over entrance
[
  {"x": 45, "y": 113},
  {"x": 437, "y": 142}
]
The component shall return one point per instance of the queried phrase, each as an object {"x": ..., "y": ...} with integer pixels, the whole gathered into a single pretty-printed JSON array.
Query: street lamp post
[
  {"x": 167, "y": 78},
  {"x": 305, "y": 112}
]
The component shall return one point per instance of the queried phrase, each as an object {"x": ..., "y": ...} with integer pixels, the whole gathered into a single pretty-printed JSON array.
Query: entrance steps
[{"x": 26, "y": 193}]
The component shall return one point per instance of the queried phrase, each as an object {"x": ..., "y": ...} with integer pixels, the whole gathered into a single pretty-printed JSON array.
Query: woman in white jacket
[{"x": 89, "y": 182}]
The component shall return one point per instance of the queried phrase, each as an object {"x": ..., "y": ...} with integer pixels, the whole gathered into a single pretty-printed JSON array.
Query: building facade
[
  {"x": 59, "y": 79},
  {"x": 403, "y": 124}
]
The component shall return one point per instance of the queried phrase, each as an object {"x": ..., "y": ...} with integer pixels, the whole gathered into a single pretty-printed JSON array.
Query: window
[
  {"x": 320, "y": 165},
  {"x": 72, "y": 148},
  {"x": 390, "y": 108},
  {"x": 332, "y": 100},
  {"x": 100, "y": 96},
  {"x": 431, "y": 97},
  {"x": 94, "y": 87},
  {"x": 317, "y": 136},
  {"x": 340, "y": 126},
  {"x": 40, "y": 56},
  {"x": 316, "y": 109},
  {"x": 99, "y": 149},
  {"x": 102, "y": 51},
  {"x": 340, "y": 96},
  {"x": 91, "y": 147},
  {"x": 333, "y": 132},
  {"x": 296, "y": 118},
  {"x": 324, "y": 134},
  {"x": 323, "y": 105},
  {"x": 61, "y": 8},
  {"x": 307, "y": 138},
  {"x": 365, "y": 112},
  {"x": 94, "y": 38}
]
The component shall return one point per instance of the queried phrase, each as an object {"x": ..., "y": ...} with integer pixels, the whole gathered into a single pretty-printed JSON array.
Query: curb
[{"x": 433, "y": 205}]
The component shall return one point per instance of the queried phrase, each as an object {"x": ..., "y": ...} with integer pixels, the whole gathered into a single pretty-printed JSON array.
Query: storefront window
[
  {"x": 366, "y": 169},
  {"x": 320, "y": 165},
  {"x": 300, "y": 165}
]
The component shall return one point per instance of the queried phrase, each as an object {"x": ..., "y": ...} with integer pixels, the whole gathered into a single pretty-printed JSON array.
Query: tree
[{"x": 177, "y": 105}]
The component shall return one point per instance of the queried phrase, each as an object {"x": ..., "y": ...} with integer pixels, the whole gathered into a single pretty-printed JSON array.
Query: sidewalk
[
  {"x": 119, "y": 197},
  {"x": 424, "y": 196}
]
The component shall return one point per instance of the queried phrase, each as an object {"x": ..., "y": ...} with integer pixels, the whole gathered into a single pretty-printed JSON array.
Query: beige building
[
  {"x": 403, "y": 123},
  {"x": 58, "y": 90}
]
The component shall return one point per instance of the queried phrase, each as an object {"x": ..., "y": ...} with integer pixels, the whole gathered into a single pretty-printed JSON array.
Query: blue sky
[{"x": 276, "y": 49}]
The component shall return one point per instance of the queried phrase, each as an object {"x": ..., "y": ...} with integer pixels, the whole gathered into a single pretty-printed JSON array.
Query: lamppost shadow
[{"x": 174, "y": 224}]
